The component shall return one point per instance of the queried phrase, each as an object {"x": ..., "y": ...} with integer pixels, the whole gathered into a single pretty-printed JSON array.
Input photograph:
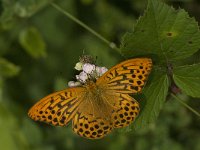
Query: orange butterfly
[{"x": 97, "y": 107}]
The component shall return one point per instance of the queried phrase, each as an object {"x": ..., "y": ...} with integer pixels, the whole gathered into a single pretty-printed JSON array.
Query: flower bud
[
  {"x": 71, "y": 83},
  {"x": 98, "y": 71},
  {"x": 82, "y": 77},
  {"x": 77, "y": 83},
  {"x": 79, "y": 66},
  {"x": 101, "y": 70},
  {"x": 88, "y": 68}
]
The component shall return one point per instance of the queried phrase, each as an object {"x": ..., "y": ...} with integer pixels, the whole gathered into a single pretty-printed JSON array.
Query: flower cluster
[{"x": 88, "y": 72}]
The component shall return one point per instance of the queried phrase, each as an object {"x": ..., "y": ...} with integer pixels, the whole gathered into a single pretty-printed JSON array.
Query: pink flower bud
[{"x": 103, "y": 70}]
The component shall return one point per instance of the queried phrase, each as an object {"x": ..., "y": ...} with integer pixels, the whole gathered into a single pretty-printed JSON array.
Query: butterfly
[{"x": 97, "y": 107}]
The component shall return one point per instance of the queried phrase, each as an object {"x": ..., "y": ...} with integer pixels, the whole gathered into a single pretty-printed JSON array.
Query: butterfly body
[
  {"x": 98, "y": 106},
  {"x": 98, "y": 99}
]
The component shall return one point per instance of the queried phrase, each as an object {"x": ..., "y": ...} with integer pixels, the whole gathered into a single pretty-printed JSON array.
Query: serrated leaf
[
  {"x": 32, "y": 42},
  {"x": 8, "y": 69},
  {"x": 187, "y": 78},
  {"x": 155, "y": 95},
  {"x": 164, "y": 32}
]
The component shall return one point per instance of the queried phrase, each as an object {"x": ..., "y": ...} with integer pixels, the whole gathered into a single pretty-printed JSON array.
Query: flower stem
[
  {"x": 186, "y": 105},
  {"x": 111, "y": 44}
]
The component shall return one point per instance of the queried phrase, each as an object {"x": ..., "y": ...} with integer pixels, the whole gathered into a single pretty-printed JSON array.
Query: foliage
[
  {"x": 155, "y": 95},
  {"x": 162, "y": 31},
  {"x": 32, "y": 42},
  {"x": 169, "y": 36},
  {"x": 32, "y": 29},
  {"x": 188, "y": 79}
]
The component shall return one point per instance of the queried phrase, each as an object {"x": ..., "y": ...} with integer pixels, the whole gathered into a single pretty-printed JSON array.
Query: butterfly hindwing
[
  {"x": 126, "y": 112},
  {"x": 91, "y": 127},
  {"x": 57, "y": 108},
  {"x": 127, "y": 77}
]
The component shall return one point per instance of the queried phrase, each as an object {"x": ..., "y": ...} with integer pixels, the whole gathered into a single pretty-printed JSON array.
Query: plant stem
[
  {"x": 186, "y": 105},
  {"x": 111, "y": 44}
]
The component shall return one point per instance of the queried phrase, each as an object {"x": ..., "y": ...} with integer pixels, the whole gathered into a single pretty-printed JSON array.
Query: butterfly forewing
[
  {"x": 57, "y": 108},
  {"x": 128, "y": 76}
]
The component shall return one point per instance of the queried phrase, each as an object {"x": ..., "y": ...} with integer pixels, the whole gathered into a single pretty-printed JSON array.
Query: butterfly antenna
[{"x": 83, "y": 52}]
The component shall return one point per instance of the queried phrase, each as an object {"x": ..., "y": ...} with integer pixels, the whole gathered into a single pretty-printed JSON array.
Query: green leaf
[
  {"x": 26, "y": 8},
  {"x": 22, "y": 8},
  {"x": 13, "y": 9},
  {"x": 8, "y": 69},
  {"x": 164, "y": 32},
  {"x": 187, "y": 78},
  {"x": 32, "y": 42},
  {"x": 155, "y": 96}
]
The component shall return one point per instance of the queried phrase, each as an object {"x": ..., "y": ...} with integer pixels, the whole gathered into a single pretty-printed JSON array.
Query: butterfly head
[{"x": 90, "y": 85}]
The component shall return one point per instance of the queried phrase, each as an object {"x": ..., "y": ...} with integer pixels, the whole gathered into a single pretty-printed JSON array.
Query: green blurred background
[{"x": 39, "y": 47}]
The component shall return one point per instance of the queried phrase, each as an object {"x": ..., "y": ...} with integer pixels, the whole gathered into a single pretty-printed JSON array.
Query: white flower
[
  {"x": 79, "y": 66},
  {"x": 82, "y": 77},
  {"x": 88, "y": 68},
  {"x": 89, "y": 72}
]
